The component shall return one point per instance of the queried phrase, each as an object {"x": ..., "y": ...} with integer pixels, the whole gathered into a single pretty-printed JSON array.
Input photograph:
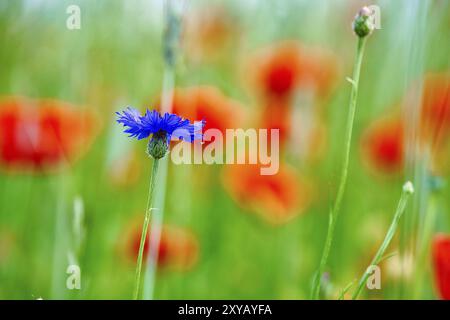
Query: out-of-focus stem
[
  {"x": 60, "y": 239},
  {"x": 155, "y": 229},
  {"x": 173, "y": 13},
  {"x": 168, "y": 86},
  {"x": 435, "y": 184}
]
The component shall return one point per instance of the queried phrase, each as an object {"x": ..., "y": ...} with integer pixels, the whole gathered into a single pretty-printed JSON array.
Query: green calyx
[{"x": 158, "y": 145}]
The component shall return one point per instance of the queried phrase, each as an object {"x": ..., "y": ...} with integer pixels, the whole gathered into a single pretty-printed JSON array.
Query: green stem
[
  {"x": 407, "y": 191},
  {"x": 348, "y": 137},
  {"x": 145, "y": 228},
  {"x": 345, "y": 290}
]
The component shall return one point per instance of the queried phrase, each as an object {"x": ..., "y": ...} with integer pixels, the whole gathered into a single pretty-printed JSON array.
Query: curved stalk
[
  {"x": 407, "y": 191},
  {"x": 348, "y": 137}
]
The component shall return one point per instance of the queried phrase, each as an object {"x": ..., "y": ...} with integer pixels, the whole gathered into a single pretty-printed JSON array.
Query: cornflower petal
[{"x": 152, "y": 122}]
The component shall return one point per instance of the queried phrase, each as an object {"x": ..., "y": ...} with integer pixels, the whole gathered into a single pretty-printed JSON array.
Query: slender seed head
[
  {"x": 158, "y": 145},
  {"x": 172, "y": 32},
  {"x": 363, "y": 24}
]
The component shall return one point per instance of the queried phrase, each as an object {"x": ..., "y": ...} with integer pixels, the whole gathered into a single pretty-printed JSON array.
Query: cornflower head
[
  {"x": 363, "y": 23},
  {"x": 162, "y": 128}
]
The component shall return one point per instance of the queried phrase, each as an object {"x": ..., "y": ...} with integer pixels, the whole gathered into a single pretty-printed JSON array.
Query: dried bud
[{"x": 363, "y": 24}]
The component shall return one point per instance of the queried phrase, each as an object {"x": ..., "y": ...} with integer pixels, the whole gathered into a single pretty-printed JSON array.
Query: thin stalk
[
  {"x": 60, "y": 238},
  {"x": 155, "y": 232},
  {"x": 345, "y": 290},
  {"x": 348, "y": 137},
  {"x": 151, "y": 191},
  {"x": 173, "y": 14},
  {"x": 407, "y": 191},
  {"x": 156, "y": 227}
]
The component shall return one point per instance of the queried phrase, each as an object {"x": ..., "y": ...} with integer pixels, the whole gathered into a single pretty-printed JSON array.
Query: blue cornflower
[{"x": 162, "y": 128}]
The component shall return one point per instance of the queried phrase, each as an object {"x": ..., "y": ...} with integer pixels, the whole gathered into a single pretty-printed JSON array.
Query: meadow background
[{"x": 229, "y": 235}]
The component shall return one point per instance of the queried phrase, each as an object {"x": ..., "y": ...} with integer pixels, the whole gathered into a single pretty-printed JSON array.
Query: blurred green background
[{"x": 82, "y": 213}]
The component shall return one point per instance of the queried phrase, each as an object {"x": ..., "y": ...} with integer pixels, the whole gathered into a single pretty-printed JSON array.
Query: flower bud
[
  {"x": 408, "y": 187},
  {"x": 363, "y": 24},
  {"x": 158, "y": 145}
]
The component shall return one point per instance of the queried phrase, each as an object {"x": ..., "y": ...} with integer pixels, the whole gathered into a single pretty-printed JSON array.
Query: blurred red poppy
[
  {"x": 320, "y": 70},
  {"x": 208, "y": 103},
  {"x": 279, "y": 70},
  {"x": 305, "y": 133},
  {"x": 284, "y": 67},
  {"x": 276, "y": 115},
  {"x": 178, "y": 247},
  {"x": 209, "y": 32},
  {"x": 277, "y": 198},
  {"x": 435, "y": 115},
  {"x": 41, "y": 135},
  {"x": 441, "y": 260},
  {"x": 382, "y": 145}
]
